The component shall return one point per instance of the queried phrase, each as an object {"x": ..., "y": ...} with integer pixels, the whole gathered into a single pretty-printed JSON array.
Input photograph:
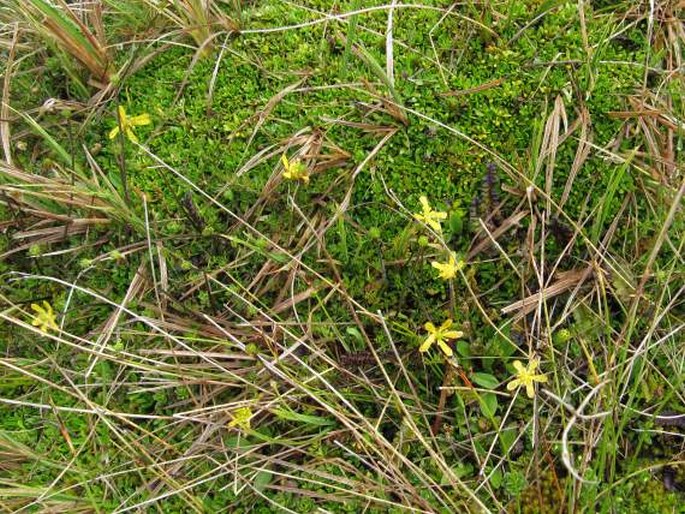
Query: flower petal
[
  {"x": 532, "y": 365},
  {"x": 131, "y": 135},
  {"x": 424, "y": 203},
  {"x": 513, "y": 384},
  {"x": 141, "y": 119},
  {"x": 453, "y": 334},
  {"x": 37, "y": 308},
  {"x": 530, "y": 390},
  {"x": 284, "y": 161},
  {"x": 439, "y": 215},
  {"x": 540, "y": 378},
  {"x": 427, "y": 343},
  {"x": 430, "y": 327},
  {"x": 446, "y": 324},
  {"x": 122, "y": 114},
  {"x": 445, "y": 348},
  {"x": 114, "y": 132},
  {"x": 435, "y": 225},
  {"x": 519, "y": 367}
]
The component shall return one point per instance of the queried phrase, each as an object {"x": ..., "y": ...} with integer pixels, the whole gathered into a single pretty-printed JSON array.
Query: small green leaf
[
  {"x": 485, "y": 380},
  {"x": 488, "y": 404},
  {"x": 507, "y": 438},
  {"x": 354, "y": 332},
  {"x": 238, "y": 443},
  {"x": 514, "y": 482},
  {"x": 505, "y": 348},
  {"x": 461, "y": 470},
  {"x": 496, "y": 479},
  {"x": 456, "y": 222},
  {"x": 303, "y": 418},
  {"x": 262, "y": 479},
  {"x": 49, "y": 140},
  {"x": 464, "y": 349},
  {"x": 279, "y": 258}
]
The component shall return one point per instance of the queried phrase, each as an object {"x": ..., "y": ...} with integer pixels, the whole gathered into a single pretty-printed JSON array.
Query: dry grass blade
[
  {"x": 657, "y": 125},
  {"x": 582, "y": 153},
  {"x": 312, "y": 148},
  {"x": 54, "y": 234},
  {"x": 135, "y": 291},
  {"x": 369, "y": 128},
  {"x": 4, "y": 107},
  {"x": 389, "y": 53},
  {"x": 512, "y": 222},
  {"x": 260, "y": 118},
  {"x": 59, "y": 22},
  {"x": 565, "y": 281},
  {"x": 52, "y": 205},
  {"x": 661, "y": 238},
  {"x": 476, "y": 89},
  {"x": 550, "y": 144},
  {"x": 392, "y": 107},
  {"x": 64, "y": 199},
  {"x": 203, "y": 20}
]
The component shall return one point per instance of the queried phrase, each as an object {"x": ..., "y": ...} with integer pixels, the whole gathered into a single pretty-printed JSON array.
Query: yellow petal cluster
[
  {"x": 448, "y": 270},
  {"x": 45, "y": 317},
  {"x": 429, "y": 216},
  {"x": 440, "y": 335},
  {"x": 126, "y": 123},
  {"x": 295, "y": 170},
  {"x": 526, "y": 377},
  {"x": 241, "y": 418}
]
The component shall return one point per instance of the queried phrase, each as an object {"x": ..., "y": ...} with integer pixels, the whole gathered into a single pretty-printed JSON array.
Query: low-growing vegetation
[{"x": 342, "y": 256}]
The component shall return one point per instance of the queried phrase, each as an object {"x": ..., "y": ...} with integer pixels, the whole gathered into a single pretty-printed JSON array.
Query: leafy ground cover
[{"x": 342, "y": 256}]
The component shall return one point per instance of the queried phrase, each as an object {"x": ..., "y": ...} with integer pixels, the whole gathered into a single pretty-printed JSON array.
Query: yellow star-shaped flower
[
  {"x": 525, "y": 376},
  {"x": 429, "y": 216},
  {"x": 241, "y": 418},
  {"x": 449, "y": 269},
  {"x": 127, "y": 123},
  {"x": 294, "y": 170},
  {"x": 44, "y": 318},
  {"x": 440, "y": 335}
]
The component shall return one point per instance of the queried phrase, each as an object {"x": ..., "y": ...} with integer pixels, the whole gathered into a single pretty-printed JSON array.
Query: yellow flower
[
  {"x": 440, "y": 335},
  {"x": 241, "y": 418},
  {"x": 294, "y": 170},
  {"x": 44, "y": 318},
  {"x": 429, "y": 216},
  {"x": 127, "y": 124},
  {"x": 450, "y": 268},
  {"x": 526, "y": 377}
]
